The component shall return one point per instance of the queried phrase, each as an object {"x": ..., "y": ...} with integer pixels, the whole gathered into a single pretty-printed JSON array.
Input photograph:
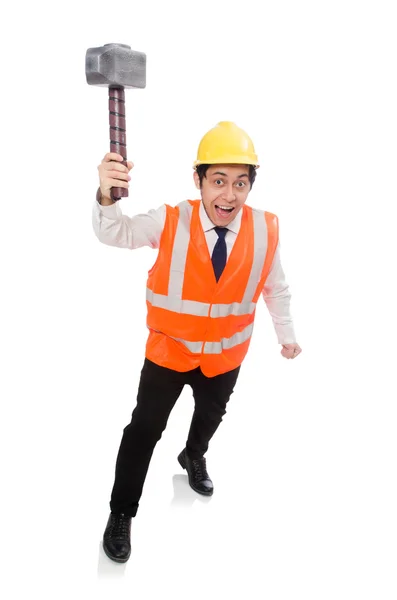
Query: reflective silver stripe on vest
[
  {"x": 199, "y": 309},
  {"x": 260, "y": 249},
  {"x": 226, "y": 343},
  {"x": 179, "y": 251},
  {"x": 185, "y": 307},
  {"x": 235, "y": 308},
  {"x": 217, "y": 347}
]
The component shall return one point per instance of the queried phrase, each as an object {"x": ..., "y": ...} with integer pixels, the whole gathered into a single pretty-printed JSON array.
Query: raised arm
[{"x": 110, "y": 225}]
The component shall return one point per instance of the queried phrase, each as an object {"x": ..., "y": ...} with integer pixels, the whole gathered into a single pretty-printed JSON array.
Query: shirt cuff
[
  {"x": 112, "y": 211},
  {"x": 285, "y": 333}
]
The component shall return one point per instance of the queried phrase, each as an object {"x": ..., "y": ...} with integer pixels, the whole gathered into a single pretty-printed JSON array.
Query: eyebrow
[{"x": 225, "y": 174}]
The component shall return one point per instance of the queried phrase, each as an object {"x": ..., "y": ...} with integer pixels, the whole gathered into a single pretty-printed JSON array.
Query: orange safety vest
[{"x": 195, "y": 321}]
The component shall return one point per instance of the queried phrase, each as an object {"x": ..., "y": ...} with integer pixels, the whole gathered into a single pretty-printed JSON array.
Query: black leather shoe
[
  {"x": 199, "y": 479},
  {"x": 116, "y": 538}
]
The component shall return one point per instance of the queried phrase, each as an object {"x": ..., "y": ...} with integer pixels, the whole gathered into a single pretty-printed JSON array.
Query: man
[{"x": 216, "y": 257}]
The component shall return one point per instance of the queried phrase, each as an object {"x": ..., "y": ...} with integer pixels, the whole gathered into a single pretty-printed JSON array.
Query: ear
[{"x": 196, "y": 179}]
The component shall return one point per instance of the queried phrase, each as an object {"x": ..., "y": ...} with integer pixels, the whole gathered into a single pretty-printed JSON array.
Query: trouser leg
[
  {"x": 159, "y": 389},
  {"x": 211, "y": 395}
]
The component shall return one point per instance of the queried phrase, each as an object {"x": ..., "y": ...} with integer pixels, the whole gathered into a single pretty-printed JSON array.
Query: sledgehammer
[{"x": 118, "y": 67}]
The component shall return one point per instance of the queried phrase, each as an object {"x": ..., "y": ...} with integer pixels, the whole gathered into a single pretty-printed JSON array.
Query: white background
[{"x": 304, "y": 464}]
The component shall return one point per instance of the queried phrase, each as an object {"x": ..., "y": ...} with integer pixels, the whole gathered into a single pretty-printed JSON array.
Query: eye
[
  {"x": 216, "y": 181},
  {"x": 242, "y": 184}
]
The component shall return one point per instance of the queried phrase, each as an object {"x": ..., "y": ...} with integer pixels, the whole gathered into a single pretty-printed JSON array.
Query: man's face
[{"x": 224, "y": 186}]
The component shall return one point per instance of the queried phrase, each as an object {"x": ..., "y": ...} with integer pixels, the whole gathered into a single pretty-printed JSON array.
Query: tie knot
[{"x": 221, "y": 231}]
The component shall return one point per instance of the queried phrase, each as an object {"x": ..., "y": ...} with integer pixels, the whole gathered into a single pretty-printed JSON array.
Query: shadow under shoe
[
  {"x": 199, "y": 479},
  {"x": 116, "y": 538}
]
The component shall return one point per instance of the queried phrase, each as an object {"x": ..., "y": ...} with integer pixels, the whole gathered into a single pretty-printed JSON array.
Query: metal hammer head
[{"x": 115, "y": 65}]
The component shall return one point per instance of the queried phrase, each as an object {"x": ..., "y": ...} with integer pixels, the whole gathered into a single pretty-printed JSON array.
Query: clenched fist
[
  {"x": 112, "y": 173},
  {"x": 291, "y": 350}
]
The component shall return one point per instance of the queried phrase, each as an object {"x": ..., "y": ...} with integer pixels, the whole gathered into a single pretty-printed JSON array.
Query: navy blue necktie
[{"x": 219, "y": 254}]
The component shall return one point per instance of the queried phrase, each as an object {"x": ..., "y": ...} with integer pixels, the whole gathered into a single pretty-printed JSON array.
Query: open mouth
[{"x": 223, "y": 211}]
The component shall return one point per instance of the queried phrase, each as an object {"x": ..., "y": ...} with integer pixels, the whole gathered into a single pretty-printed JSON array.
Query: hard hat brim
[{"x": 226, "y": 160}]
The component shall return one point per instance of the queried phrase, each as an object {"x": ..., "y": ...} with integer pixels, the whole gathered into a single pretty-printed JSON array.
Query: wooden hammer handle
[{"x": 117, "y": 130}]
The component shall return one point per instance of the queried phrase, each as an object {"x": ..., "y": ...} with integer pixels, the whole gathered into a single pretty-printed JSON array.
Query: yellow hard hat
[{"x": 226, "y": 144}]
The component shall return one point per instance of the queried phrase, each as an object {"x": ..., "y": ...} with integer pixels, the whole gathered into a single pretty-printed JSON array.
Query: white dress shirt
[{"x": 114, "y": 228}]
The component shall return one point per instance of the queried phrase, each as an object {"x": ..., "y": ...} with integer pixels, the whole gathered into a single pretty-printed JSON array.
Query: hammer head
[{"x": 115, "y": 65}]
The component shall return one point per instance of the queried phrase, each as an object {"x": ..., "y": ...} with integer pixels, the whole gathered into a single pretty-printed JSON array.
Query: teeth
[{"x": 226, "y": 207}]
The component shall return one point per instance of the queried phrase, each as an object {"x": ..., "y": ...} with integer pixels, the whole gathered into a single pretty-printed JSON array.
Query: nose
[{"x": 229, "y": 194}]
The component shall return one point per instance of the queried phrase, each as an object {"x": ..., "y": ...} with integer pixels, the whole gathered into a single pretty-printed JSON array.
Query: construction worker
[{"x": 216, "y": 256}]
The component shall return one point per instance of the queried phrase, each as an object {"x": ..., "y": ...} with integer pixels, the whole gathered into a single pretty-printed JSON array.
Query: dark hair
[{"x": 202, "y": 170}]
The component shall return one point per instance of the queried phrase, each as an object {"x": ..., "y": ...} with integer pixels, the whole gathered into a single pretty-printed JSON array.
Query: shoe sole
[
  {"x": 119, "y": 560},
  {"x": 182, "y": 462}
]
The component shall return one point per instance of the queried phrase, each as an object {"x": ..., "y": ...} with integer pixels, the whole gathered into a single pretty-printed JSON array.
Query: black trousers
[{"x": 159, "y": 389}]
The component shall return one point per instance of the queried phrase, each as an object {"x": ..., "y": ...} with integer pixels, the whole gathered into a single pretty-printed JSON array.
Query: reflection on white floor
[{"x": 184, "y": 496}]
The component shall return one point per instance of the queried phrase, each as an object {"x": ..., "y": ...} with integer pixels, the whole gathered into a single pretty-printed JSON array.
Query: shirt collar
[{"x": 207, "y": 224}]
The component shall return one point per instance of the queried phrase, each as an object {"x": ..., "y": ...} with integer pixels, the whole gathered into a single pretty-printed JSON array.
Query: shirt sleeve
[
  {"x": 277, "y": 298},
  {"x": 114, "y": 228}
]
